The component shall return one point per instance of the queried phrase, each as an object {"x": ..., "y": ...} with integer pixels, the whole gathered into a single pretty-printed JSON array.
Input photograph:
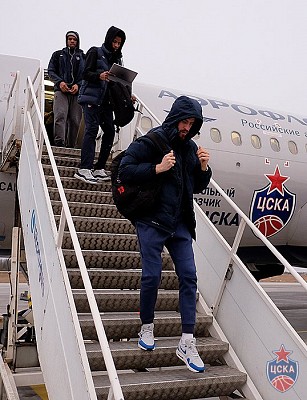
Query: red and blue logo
[
  {"x": 282, "y": 371},
  {"x": 272, "y": 206}
]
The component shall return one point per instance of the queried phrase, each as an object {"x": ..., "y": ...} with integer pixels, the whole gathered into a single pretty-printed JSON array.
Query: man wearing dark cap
[
  {"x": 183, "y": 170},
  {"x": 65, "y": 71},
  {"x": 97, "y": 110}
]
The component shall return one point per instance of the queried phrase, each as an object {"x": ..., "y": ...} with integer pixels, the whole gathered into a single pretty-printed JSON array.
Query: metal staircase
[
  {"x": 109, "y": 247},
  {"x": 84, "y": 272}
]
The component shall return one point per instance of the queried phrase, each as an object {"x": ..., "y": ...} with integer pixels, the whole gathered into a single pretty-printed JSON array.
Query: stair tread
[
  {"x": 120, "y": 293},
  {"x": 159, "y": 316},
  {"x": 78, "y": 204},
  {"x": 128, "y": 356},
  {"x": 161, "y": 345},
  {"x": 120, "y": 279},
  {"x": 176, "y": 384},
  {"x": 223, "y": 372},
  {"x": 73, "y": 183},
  {"x": 124, "y": 300}
]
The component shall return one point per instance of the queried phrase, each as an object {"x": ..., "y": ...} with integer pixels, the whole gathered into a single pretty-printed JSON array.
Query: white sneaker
[
  {"x": 85, "y": 175},
  {"x": 147, "y": 340},
  {"x": 188, "y": 353},
  {"x": 100, "y": 175}
]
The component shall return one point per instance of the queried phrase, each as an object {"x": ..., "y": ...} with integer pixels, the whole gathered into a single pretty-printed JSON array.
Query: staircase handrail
[
  {"x": 261, "y": 236},
  {"x": 115, "y": 388},
  {"x": 245, "y": 220}
]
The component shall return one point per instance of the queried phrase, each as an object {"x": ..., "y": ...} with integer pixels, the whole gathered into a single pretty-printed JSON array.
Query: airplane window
[
  {"x": 236, "y": 138},
  {"x": 215, "y": 135},
  {"x": 146, "y": 124},
  {"x": 275, "y": 144},
  {"x": 292, "y": 147},
  {"x": 256, "y": 141}
]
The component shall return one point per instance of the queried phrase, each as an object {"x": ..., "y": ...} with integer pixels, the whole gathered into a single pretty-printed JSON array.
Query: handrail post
[
  {"x": 61, "y": 228},
  {"x": 14, "y": 295}
]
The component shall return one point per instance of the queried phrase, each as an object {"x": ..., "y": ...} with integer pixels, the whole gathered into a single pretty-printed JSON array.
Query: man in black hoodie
[
  {"x": 97, "y": 110},
  {"x": 65, "y": 71}
]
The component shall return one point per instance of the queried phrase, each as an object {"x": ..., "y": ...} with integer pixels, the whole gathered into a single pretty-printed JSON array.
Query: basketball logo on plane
[
  {"x": 272, "y": 206},
  {"x": 282, "y": 371}
]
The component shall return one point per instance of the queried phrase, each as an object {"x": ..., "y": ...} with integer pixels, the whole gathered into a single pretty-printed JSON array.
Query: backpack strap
[{"x": 158, "y": 141}]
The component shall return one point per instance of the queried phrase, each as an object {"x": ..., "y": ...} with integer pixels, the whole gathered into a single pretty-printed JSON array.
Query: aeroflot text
[{"x": 217, "y": 104}]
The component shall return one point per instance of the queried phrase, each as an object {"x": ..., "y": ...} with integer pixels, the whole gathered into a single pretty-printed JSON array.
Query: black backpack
[
  {"x": 135, "y": 201},
  {"x": 122, "y": 105}
]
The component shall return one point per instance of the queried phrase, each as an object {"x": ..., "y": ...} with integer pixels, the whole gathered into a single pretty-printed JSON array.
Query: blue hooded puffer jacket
[{"x": 180, "y": 182}]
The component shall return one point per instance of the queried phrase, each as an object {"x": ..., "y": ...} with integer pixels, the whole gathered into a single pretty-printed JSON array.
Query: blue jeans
[
  {"x": 95, "y": 116},
  {"x": 179, "y": 245}
]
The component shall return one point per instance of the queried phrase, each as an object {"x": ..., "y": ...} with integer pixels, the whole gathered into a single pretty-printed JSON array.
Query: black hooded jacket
[
  {"x": 180, "y": 182},
  {"x": 67, "y": 65},
  {"x": 100, "y": 59}
]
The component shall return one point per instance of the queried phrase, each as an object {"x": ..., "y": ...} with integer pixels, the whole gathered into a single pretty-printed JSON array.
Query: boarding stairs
[{"x": 84, "y": 271}]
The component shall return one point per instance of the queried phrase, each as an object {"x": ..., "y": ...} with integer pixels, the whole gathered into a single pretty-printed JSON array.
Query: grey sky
[{"x": 251, "y": 52}]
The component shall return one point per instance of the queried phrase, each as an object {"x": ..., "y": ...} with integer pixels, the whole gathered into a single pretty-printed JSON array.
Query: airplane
[{"x": 258, "y": 157}]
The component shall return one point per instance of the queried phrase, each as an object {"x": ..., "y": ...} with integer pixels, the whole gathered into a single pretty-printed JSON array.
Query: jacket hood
[
  {"x": 73, "y": 33},
  {"x": 110, "y": 35},
  {"x": 183, "y": 107}
]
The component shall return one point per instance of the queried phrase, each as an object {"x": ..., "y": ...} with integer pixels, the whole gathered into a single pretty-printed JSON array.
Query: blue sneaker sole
[
  {"x": 191, "y": 367},
  {"x": 144, "y": 346}
]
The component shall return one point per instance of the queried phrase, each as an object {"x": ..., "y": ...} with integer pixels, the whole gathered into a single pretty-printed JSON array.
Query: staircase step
[
  {"x": 96, "y": 224},
  {"x": 127, "y": 325},
  {"x": 124, "y": 300},
  {"x": 73, "y": 183},
  {"x": 62, "y": 160},
  {"x": 82, "y": 196},
  {"x": 119, "y": 279},
  {"x": 102, "y": 241},
  {"x": 64, "y": 171},
  {"x": 111, "y": 259},
  {"x": 127, "y": 355},
  {"x": 64, "y": 152},
  {"x": 88, "y": 209},
  {"x": 175, "y": 384}
]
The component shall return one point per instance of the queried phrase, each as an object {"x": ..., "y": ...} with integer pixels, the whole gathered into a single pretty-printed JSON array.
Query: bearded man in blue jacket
[{"x": 184, "y": 170}]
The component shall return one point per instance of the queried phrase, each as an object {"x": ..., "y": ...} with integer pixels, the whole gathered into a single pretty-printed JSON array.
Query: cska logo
[
  {"x": 272, "y": 206},
  {"x": 282, "y": 372}
]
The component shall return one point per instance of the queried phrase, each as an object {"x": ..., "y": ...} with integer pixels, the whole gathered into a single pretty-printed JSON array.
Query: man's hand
[
  {"x": 64, "y": 88},
  {"x": 104, "y": 76},
  {"x": 203, "y": 157},
  {"x": 168, "y": 161},
  {"x": 74, "y": 89}
]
